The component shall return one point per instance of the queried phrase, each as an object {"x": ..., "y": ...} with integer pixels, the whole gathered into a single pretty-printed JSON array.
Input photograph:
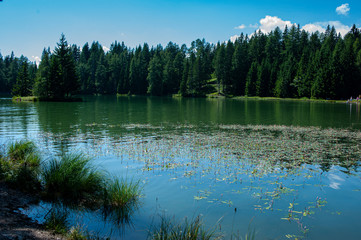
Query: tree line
[{"x": 291, "y": 63}]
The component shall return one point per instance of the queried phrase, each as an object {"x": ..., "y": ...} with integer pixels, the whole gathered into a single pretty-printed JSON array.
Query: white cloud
[
  {"x": 253, "y": 25},
  {"x": 343, "y": 9},
  {"x": 269, "y": 23},
  {"x": 335, "y": 181},
  {"x": 36, "y": 59},
  {"x": 241, "y": 27},
  {"x": 313, "y": 28},
  {"x": 340, "y": 28},
  {"x": 321, "y": 27},
  {"x": 234, "y": 38},
  {"x": 105, "y": 49}
]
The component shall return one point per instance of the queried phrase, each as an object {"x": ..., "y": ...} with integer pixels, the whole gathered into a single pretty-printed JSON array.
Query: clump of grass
[
  {"x": 73, "y": 178},
  {"x": 250, "y": 235},
  {"x": 120, "y": 193},
  {"x": 20, "y": 166},
  {"x": 57, "y": 221},
  {"x": 18, "y": 151},
  {"x": 76, "y": 233},
  {"x": 79, "y": 233},
  {"x": 188, "y": 230},
  {"x": 121, "y": 199}
]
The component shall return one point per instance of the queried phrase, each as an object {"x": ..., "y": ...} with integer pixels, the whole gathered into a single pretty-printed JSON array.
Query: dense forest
[{"x": 290, "y": 63}]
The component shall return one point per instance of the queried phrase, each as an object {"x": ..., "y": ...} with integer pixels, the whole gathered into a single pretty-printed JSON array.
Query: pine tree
[
  {"x": 42, "y": 83},
  {"x": 63, "y": 78},
  {"x": 240, "y": 66},
  {"x": 183, "y": 86},
  {"x": 155, "y": 76},
  {"x": 23, "y": 84},
  {"x": 252, "y": 76}
]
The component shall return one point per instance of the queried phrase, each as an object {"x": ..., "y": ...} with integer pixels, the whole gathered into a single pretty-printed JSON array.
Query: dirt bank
[{"x": 14, "y": 224}]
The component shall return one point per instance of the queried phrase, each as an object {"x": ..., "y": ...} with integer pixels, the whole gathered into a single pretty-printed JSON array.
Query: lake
[{"x": 283, "y": 169}]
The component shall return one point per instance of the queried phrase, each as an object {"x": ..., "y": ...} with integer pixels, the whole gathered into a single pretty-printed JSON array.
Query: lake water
[{"x": 283, "y": 169}]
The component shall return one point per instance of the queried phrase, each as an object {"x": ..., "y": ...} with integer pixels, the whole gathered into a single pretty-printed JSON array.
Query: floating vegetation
[{"x": 222, "y": 165}]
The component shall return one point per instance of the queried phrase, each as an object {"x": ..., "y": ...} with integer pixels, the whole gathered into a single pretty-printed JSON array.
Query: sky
[{"x": 27, "y": 26}]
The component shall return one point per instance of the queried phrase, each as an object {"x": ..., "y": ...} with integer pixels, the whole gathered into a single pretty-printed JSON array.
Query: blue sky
[{"x": 27, "y": 26}]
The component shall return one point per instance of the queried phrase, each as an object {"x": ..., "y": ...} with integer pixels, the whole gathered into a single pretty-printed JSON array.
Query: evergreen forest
[{"x": 288, "y": 64}]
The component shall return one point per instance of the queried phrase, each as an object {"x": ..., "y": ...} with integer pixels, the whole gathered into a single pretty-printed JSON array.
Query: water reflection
[{"x": 294, "y": 169}]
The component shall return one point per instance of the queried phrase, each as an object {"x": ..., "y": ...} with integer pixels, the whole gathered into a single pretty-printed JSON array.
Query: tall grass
[
  {"x": 57, "y": 220},
  {"x": 20, "y": 166},
  {"x": 169, "y": 229},
  {"x": 73, "y": 178},
  {"x": 121, "y": 199}
]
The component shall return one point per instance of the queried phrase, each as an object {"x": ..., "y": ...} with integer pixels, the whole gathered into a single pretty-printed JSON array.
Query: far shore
[
  {"x": 213, "y": 95},
  {"x": 38, "y": 99}
]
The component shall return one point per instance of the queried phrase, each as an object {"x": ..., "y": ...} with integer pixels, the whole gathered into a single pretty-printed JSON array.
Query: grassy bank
[
  {"x": 223, "y": 96},
  {"x": 18, "y": 99},
  {"x": 25, "y": 99},
  {"x": 290, "y": 99}
]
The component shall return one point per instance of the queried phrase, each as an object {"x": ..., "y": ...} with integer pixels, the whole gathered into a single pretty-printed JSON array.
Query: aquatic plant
[
  {"x": 57, "y": 220},
  {"x": 170, "y": 229},
  {"x": 250, "y": 235},
  {"x": 121, "y": 199},
  {"x": 80, "y": 233},
  {"x": 73, "y": 178},
  {"x": 77, "y": 233}
]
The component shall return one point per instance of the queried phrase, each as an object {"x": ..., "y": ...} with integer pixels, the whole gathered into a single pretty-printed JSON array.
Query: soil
[{"x": 14, "y": 224}]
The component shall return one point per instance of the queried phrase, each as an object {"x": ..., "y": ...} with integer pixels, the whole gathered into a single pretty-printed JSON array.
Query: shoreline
[
  {"x": 16, "y": 225},
  {"x": 209, "y": 96}
]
